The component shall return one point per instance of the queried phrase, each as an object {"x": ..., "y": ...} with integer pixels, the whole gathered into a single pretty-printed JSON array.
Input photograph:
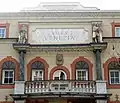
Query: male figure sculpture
[
  {"x": 22, "y": 35},
  {"x": 97, "y": 33}
]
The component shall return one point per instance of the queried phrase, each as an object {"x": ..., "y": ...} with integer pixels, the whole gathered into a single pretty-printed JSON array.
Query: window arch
[
  {"x": 37, "y": 64},
  {"x": 59, "y": 69},
  {"x": 84, "y": 64},
  {"x": 111, "y": 73},
  {"x": 9, "y": 70}
]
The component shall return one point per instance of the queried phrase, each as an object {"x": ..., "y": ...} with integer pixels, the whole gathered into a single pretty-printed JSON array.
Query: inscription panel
[{"x": 59, "y": 36}]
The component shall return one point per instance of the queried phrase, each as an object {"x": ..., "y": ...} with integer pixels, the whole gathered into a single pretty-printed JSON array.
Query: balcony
[
  {"x": 60, "y": 88},
  {"x": 64, "y": 87}
]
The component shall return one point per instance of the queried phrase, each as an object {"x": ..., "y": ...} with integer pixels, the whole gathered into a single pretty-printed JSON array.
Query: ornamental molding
[{"x": 60, "y": 48}]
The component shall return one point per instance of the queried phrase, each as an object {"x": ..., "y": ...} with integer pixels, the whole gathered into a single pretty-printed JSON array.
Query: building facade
[{"x": 60, "y": 52}]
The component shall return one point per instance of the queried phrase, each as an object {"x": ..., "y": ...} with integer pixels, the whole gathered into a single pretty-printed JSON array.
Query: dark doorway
[{"x": 83, "y": 101}]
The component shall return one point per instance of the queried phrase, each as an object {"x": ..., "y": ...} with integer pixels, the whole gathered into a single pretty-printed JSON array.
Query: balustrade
[{"x": 61, "y": 86}]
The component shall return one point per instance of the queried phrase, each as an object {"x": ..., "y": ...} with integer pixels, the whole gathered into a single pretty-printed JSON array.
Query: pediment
[{"x": 59, "y": 6}]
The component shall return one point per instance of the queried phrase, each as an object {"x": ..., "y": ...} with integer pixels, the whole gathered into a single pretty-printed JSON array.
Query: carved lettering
[{"x": 59, "y": 35}]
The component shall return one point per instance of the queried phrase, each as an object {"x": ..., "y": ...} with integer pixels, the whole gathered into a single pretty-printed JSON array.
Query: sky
[{"x": 17, "y": 5}]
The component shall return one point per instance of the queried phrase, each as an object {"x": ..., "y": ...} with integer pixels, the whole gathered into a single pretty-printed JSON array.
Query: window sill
[
  {"x": 5, "y": 86},
  {"x": 113, "y": 86}
]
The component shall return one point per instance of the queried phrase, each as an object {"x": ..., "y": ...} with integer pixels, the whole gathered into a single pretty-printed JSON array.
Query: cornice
[
  {"x": 60, "y": 48},
  {"x": 68, "y": 14}
]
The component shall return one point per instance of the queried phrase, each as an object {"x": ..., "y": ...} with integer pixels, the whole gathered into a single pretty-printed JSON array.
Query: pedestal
[
  {"x": 101, "y": 101},
  {"x": 101, "y": 87},
  {"x": 19, "y": 101},
  {"x": 19, "y": 87}
]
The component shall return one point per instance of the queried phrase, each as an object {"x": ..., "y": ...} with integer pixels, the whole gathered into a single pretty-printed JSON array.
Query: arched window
[
  {"x": 37, "y": 68},
  {"x": 114, "y": 72},
  {"x": 8, "y": 69},
  {"x": 81, "y": 70},
  {"x": 59, "y": 75}
]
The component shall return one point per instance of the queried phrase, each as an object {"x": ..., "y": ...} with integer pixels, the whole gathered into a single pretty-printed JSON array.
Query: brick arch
[
  {"x": 81, "y": 58},
  {"x": 59, "y": 68},
  {"x": 17, "y": 69},
  {"x": 45, "y": 69},
  {"x": 106, "y": 72}
]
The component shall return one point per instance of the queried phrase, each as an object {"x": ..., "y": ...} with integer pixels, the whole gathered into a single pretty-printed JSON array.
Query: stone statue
[
  {"x": 59, "y": 59},
  {"x": 97, "y": 32},
  {"x": 22, "y": 35}
]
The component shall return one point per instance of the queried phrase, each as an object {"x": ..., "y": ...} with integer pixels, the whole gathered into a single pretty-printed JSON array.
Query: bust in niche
[{"x": 59, "y": 59}]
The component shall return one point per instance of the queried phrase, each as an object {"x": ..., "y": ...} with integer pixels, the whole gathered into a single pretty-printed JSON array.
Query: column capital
[
  {"x": 95, "y": 50},
  {"x": 24, "y": 51},
  {"x": 98, "y": 46}
]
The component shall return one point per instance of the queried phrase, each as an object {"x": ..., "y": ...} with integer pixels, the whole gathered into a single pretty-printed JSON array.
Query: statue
[
  {"x": 59, "y": 59},
  {"x": 22, "y": 39},
  {"x": 97, "y": 33}
]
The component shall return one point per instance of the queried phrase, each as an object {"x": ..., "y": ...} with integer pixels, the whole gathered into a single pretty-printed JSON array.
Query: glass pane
[
  {"x": 11, "y": 74},
  {"x": 37, "y": 65},
  {"x": 10, "y": 80},
  {"x": 40, "y": 73},
  {"x": 8, "y": 65},
  {"x": 56, "y": 78},
  {"x": 36, "y": 73},
  {"x": 5, "y": 80},
  {"x": 116, "y": 80},
  {"x": 116, "y": 74},
  {"x": 112, "y": 80},
  {"x": 112, "y": 74},
  {"x": 118, "y": 32},
  {"x": 2, "y": 32},
  {"x": 81, "y": 65},
  {"x": 6, "y": 73}
]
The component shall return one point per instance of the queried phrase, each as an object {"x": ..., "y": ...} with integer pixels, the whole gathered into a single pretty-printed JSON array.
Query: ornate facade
[{"x": 60, "y": 52}]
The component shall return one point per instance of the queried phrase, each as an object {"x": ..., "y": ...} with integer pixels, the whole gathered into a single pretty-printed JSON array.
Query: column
[
  {"x": 98, "y": 64},
  {"x": 21, "y": 57}
]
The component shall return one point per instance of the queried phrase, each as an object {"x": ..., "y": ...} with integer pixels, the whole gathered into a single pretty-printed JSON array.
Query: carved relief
[
  {"x": 23, "y": 34},
  {"x": 59, "y": 59},
  {"x": 97, "y": 32}
]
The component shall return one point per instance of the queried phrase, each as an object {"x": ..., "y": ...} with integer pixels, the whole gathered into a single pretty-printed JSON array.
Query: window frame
[
  {"x": 6, "y": 26},
  {"x": 114, "y": 25},
  {"x": 110, "y": 76},
  {"x": 116, "y": 32},
  {"x": 81, "y": 70},
  {"x": 34, "y": 70},
  {"x": 37, "y": 67},
  {"x": 3, "y": 76},
  {"x": 5, "y": 69},
  {"x": 81, "y": 66}
]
